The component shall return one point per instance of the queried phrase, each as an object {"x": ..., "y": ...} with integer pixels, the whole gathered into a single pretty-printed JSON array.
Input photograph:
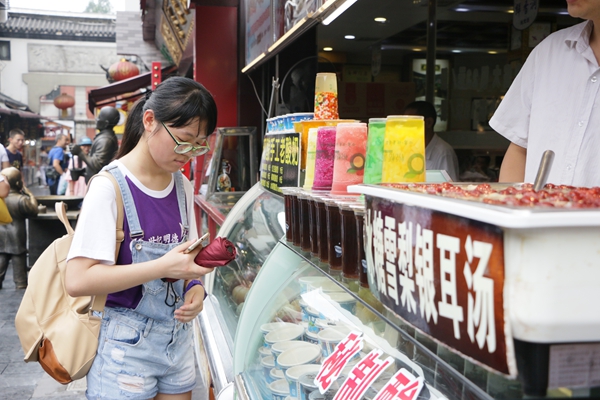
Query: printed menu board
[{"x": 280, "y": 162}]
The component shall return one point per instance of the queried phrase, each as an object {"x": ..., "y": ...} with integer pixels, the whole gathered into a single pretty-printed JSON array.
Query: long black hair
[{"x": 177, "y": 101}]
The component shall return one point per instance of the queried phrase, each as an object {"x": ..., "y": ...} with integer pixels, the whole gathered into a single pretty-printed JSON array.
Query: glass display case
[
  {"x": 276, "y": 295},
  {"x": 254, "y": 224}
]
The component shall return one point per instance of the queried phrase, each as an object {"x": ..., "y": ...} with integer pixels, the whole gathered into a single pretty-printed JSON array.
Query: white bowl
[
  {"x": 267, "y": 363},
  {"x": 291, "y": 332},
  {"x": 271, "y": 326},
  {"x": 280, "y": 389},
  {"x": 345, "y": 300},
  {"x": 307, "y": 353},
  {"x": 276, "y": 374},
  {"x": 311, "y": 337},
  {"x": 280, "y": 347},
  {"x": 330, "y": 337},
  {"x": 264, "y": 352},
  {"x": 292, "y": 375}
]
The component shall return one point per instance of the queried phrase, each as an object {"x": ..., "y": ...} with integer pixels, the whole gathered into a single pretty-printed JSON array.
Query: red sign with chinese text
[{"x": 442, "y": 274}]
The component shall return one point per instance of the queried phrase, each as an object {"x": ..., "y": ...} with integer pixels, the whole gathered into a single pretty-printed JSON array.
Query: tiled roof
[{"x": 59, "y": 27}]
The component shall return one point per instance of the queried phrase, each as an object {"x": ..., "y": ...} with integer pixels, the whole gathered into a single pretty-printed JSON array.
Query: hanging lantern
[
  {"x": 63, "y": 102},
  {"x": 122, "y": 70}
]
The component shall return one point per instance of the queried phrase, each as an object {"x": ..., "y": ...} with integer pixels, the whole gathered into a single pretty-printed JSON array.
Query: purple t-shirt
[{"x": 161, "y": 222}]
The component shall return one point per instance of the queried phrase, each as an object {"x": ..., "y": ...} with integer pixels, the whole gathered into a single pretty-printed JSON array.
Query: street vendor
[{"x": 553, "y": 105}]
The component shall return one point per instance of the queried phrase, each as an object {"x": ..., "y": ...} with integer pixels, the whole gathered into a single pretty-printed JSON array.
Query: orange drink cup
[
  {"x": 404, "y": 149},
  {"x": 326, "y": 96}
]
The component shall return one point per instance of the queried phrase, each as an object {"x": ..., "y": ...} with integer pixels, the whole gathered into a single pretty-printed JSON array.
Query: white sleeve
[
  {"x": 189, "y": 196},
  {"x": 512, "y": 117},
  {"x": 95, "y": 233},
  {"x": 3, "y": 154}
]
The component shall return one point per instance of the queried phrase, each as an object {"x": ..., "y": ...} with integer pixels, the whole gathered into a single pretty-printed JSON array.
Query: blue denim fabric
[{"x": 144, "y": 351}]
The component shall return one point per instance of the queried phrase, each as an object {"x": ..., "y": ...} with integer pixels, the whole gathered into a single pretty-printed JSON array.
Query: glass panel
[
  {"x": 255, "y": 235},
  {"x": 307, "y": 305}
]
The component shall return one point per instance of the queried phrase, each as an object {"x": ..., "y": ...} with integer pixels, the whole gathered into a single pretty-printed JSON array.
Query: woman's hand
[
  {"x": 193, "y": 304},
  {"x": 178, "y": 264}
]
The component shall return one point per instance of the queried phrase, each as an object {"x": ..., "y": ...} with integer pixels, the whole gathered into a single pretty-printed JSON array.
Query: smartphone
[{"x": 197, "y": 243}]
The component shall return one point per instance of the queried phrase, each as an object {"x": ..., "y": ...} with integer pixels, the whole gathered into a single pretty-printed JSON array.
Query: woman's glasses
[{"x": 185, "y": 147}]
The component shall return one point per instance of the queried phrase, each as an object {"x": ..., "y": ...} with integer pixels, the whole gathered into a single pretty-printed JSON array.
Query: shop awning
[
  {"x": 115, "y": 91},
  {"x": 22, "y": 114}
]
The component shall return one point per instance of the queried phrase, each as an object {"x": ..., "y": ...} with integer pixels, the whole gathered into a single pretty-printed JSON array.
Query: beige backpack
[{"x": 55, "y": 329}]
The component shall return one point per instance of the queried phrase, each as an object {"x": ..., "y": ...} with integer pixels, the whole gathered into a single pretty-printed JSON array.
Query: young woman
[{"x": 145, "y": 343}]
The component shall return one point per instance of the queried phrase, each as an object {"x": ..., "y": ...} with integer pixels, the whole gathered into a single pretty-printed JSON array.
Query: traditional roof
[{"x": 32, "y": 24}]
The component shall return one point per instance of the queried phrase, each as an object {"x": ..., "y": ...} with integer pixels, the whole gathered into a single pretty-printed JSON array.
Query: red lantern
[
  {"x": 123, "y": 70},
  {"x": 62, "y": 102}
]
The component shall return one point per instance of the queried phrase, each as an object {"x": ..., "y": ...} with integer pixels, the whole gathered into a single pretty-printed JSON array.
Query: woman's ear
[{"x": 149, "y": 121}]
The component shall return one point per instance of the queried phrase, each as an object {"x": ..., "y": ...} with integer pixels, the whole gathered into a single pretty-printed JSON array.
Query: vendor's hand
[
  {"x": 76, "y": 150},
  {"x": 178, "y": 264},
  {"x": 193, "y": 304}
]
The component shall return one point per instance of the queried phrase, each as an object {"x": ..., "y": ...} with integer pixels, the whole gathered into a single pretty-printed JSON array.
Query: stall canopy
[
  {"x": 12, "y": 107},
  {"x": 123, "y": 90}
]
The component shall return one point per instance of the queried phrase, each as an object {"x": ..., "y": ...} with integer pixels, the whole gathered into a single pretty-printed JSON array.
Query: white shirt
[
  {"x": 95, "y": 232},
  {"x": 3, "y": 155},
  {"x": 440, "y": 155},
  {"x": 553, "y": 105}
]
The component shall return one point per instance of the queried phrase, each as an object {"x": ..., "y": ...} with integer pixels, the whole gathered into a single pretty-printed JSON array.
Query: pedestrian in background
[
  {"x": 58, "y": 161},
  {"x": 21, "y": 204},
  {"x": 77, "y": 170},
  {"x": 14, "y": 150}
]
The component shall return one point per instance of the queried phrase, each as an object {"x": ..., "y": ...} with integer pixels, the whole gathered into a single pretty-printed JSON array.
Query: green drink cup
[{"x": 374, "y": 157}]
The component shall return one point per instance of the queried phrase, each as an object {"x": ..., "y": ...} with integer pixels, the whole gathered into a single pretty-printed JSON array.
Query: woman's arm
[
  {"x": 513, "y": 165},
  {"x": 85, "y": 276}
]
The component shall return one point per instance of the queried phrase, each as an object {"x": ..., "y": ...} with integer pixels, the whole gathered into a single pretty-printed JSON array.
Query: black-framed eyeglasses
[{"x": 185, "y": 147}]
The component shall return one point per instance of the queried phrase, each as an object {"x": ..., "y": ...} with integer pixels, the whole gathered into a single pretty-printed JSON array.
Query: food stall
[{"x": 401, "y": 290}]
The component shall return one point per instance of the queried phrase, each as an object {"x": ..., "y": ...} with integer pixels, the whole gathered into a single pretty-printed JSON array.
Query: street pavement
[{"x": 24, "y": 381}]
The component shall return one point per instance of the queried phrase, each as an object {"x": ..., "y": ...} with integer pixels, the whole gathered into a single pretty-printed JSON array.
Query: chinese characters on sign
[
  {"x": 403, "y": 385},
  {"x": 279, "y": 165},
  {"x": 336, "y": 361},
  {"x": 443, "y": 274},
  {"x": 525, "y": 12}
]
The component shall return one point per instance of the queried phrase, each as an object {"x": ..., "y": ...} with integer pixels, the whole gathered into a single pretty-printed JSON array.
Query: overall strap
[
  {"x": 97, "y": 302},
  {"x": 181, "y": 201},
  {"x": 135, "y": 229}
]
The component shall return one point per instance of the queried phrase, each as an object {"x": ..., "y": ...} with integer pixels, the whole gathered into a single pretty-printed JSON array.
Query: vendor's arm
[{"x": 513, "y": 165}]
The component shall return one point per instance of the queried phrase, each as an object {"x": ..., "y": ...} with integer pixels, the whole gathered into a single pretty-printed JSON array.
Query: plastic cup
[
  {"x": 350, "y": 152},
  {"x": 302, "y": 128},
  {"x": 321, "y": 221},
  {"x": 363, "y": 277},
  {"x": 326, "y": 96},
  {"x": 305, "y": 207},
  {"x": 325, "y": 157},
  {"x": 404, "y": 149},
  {"x": 334, "y": 235},
  {"x": 349, "y": 242},
  {"x": 374, "y": 158},
  {"x": 311, "y": 154}
]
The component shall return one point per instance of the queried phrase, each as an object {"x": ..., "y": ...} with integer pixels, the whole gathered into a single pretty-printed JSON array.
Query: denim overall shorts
[{"x": 145, "y": 351}]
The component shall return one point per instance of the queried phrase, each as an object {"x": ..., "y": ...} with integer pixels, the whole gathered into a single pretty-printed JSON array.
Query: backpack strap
[
  {"x": 99, "y": 301},
  {"x": 61, "y": 212}
]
